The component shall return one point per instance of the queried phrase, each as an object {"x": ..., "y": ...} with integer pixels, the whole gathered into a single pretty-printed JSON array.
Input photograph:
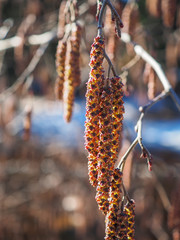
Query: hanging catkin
[
  {"x": 69, "y": 78},
  {"x": 130, "y": 17},
  {"x": 129, "y": 210},
  {"x": 76, "y": 39},
  {"x": 154, "y": 7},
  {"x": 60, "y": 67},
  {"x": 94, "y": 89},
  {"x": 149, "y": 77},
  {"x": 114, "y": 205},
  {"x": 168, "y": 9},
  {"x": 117, "y": 114},
  {"x": 61, "y": 20},
  {"x": 105, "y": 164}
]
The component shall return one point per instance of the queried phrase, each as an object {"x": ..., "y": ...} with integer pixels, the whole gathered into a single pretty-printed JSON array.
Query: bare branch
[
  {"x": 155, "y": 65},
  {"x": 32, "y": 65}
]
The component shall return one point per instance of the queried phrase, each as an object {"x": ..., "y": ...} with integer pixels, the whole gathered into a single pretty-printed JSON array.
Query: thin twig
[
  {"x": 32, "y": 65},
  {"x": 100, "y": 24},
  {"x": 131, "y": 63},
  {"x": 37, "y": 39},
  {"x": 161, "y": 96},
  {"x": 123, "y": 159},
  {"x": 110, "y": 63},
  {"x": 155, "y": 65}
]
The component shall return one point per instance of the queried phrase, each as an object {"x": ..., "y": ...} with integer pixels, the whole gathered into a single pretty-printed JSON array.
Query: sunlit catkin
[
  {"x": 129, "y": 209},
  {"x": 94, "y": 89},
  {"x": 114, "y": 205},
  {"x": 105, "y": 164},
  {"x": 60, "y": 67},
  {"x": 117, "y": 114},
  {"x": 68, "y": 92},
  {"x": 76, "y": 39},
  {"x": 71, "y": 72}
]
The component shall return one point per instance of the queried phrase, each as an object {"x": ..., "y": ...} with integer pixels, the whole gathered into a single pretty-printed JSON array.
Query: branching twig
[
  {"x": 131, "y": 63},
  {"x": 32, "y": 65},
  {"x": 37, "y": 39},
  {"x": 115, "y": 17},
  {"x": 156, "y": 66}
]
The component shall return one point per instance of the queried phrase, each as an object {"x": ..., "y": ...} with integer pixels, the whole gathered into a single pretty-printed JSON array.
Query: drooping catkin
[
  {"x": 117, "y": 114},
  {"x": 105, "y": 164},
  {"x": 114, "y": 205},
  {"x": 129, "y": 209},
  {"x": 94, "y": 89},
  {"x": 168, "y": 9},
  {"x": 154, "y": 7},
  {"x": 71, "y": 71},
  {"x": 61, "y": 20},
  {"x": 69, "y": 88},
  {"x": 76, "y": 39},
  {"x": 60, "y": 67},
  {"x": 130, "y": 17},
  {"x": 149, "y": 76}
]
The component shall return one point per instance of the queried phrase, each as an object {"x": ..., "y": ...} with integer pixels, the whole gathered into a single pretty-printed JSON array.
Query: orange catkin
[
  {"x": 105, "y": 165},
  {"x": 94, "y": 89},
  {"x": 69, "y": 88},
  {"x": 114, "y": 205},
  {"x": 71, "y": 71},
  {"x": 60, "y": 66},
  {"x": 129, "y": 209},
  {"x": 117, "y": 114}
]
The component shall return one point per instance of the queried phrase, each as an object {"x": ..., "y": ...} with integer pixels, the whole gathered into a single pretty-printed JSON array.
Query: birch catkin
[
  {"x": 114, "y": 205},
  {"x": 94, "y": 88},
  {"x": 105, "y": 165},
  {"x": 60, "y": 67}
]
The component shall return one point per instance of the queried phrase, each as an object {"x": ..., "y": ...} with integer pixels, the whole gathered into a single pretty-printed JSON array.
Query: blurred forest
[{"x": 44, "y": 187}]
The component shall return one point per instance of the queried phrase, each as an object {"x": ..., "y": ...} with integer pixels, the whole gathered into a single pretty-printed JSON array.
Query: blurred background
[{"x": 44, "y": 187}]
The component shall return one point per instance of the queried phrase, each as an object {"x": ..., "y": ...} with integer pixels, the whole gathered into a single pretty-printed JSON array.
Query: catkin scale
[{"x": 94, "y": 89}]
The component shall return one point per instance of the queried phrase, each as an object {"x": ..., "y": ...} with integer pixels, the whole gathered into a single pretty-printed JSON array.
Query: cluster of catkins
[
  {"x": 68, "y": 69},
  {"x": 103, "y": 128}
]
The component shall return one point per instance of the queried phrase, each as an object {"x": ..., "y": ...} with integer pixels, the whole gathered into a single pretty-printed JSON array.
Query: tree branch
[
  {"x": 155, "y": 65},
  {"x": 32, "y": 65}
]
